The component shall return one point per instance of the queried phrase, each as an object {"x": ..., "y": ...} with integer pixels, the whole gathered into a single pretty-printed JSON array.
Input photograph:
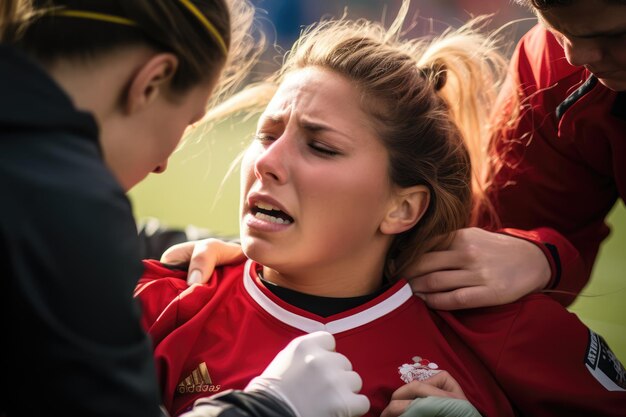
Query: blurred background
[{"x": 198, "y": 190}]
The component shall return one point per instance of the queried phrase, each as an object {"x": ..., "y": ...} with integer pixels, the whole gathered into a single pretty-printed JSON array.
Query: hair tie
[{"x": 437, "y": 73}]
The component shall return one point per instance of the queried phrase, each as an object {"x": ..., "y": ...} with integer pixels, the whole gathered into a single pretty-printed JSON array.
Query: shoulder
[
  {"x": 532, "y": 320},
  {"x": 541, "y": 317},
  {"x": 59, "y": 168},
  {"x": 531, "y": 308},
  {"x": 165, "y": 295},
  {"x": 64, "y": 200},
  {"x": 157, "y": 274},
  {"x": 65, "y": 217},
  {"x": 158, "y": 288},
  {"x": 160, "y": 281}
]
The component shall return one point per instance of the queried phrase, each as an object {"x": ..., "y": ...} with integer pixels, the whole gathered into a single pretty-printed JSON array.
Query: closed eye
[{"x": 322, "y": 149}]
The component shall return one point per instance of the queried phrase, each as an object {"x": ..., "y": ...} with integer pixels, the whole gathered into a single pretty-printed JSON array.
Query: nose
[
  {"x": 583, "y": 52},
  {"x": 160, "y": 168},
  {"x": 271, "y": 164}
]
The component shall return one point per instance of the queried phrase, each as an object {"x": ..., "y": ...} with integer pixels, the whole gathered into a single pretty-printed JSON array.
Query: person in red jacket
[
  {"x": 555, "y": 172},
  {"x": 358, "y": 163}
]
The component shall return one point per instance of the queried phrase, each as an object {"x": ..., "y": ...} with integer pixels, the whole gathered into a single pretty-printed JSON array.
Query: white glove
[{"x": 313, "y": 379}]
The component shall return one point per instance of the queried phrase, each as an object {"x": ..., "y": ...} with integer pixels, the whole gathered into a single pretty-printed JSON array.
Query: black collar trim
[{"x": 575, "y": 96}]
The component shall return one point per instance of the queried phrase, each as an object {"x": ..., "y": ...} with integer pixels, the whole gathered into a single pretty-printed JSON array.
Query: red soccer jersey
[
  {"x": 209, "y": 338},
  {"x": 563, "y": 163}
]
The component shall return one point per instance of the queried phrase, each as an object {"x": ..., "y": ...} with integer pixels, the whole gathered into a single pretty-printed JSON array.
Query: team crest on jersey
[
  {"x": 419, "y": 370},
  {"x": 604, "y": 365},
  {"x": 198, "y": 381}
]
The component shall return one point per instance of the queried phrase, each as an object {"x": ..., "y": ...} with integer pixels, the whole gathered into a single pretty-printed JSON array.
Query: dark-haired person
[{"x": 95, "y": 95}]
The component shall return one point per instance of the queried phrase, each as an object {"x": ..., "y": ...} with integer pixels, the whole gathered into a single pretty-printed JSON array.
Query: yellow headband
[
  {"x": 83, "y": 14},
  {"x": 208, "y": 25}
]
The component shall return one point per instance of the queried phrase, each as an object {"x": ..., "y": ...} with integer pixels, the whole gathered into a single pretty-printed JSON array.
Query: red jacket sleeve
[
  {"x": 555, "y": 367},
  {"x": 539, "y": 173}
]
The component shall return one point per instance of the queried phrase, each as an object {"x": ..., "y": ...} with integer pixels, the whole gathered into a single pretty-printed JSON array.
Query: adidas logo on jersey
[{"x": 198, "y": 381}]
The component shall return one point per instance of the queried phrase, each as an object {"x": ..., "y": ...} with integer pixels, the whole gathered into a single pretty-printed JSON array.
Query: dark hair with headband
[{"x": 198, "y": 32}]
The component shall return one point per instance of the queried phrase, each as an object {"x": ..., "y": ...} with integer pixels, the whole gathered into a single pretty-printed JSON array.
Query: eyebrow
[
  {"x": 314, "y": 127},
  {"x": 317, "y": 127},
  {"x": 271, "y": 119},
  {"x": 310, "y": 126}
]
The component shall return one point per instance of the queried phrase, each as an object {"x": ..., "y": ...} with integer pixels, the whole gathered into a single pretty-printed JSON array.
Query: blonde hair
[
  {"x": 246, "y": 46},
  {"x": 14, "y": 13},
  {"x": 430, "y": 101}
]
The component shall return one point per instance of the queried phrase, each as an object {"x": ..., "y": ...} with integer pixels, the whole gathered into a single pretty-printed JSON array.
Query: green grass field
[{"x": 195, "y": 190}]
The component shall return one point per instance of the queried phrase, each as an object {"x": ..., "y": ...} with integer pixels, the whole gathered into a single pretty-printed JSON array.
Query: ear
[
  {"x": 407, "y": 208},
  {"x": 149, "y": 81}
]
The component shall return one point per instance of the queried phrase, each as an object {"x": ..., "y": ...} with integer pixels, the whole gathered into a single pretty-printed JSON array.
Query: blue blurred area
[{"x": 284, "y": 19}]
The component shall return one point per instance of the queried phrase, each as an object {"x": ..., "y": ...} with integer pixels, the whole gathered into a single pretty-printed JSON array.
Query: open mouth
[{"x": 270, "y": 214}]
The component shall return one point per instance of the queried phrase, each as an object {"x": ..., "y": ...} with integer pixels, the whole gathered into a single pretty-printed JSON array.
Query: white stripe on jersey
[{"x": 337, "y": 326}]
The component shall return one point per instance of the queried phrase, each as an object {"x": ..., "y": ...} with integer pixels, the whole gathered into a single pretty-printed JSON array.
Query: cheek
[
  {"x": 247, "y": 177},
  {"x": 172, "y": 143},
  {"x": 350, "y": 197},
  {"x": 168, "y": 136}
]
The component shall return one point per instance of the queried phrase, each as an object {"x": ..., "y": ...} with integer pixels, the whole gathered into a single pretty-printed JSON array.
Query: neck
[{"x": 346, "y": 279}]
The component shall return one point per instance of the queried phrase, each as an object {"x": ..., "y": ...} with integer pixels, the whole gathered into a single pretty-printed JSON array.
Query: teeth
[
  {"x": 271, "y": 219},
  {"x": 265, "y": 206}
]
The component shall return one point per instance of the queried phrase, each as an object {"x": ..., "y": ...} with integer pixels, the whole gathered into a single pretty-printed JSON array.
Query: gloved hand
[
  {"x": 440, "y": 407},
  {"x": 313, "y": 379}
]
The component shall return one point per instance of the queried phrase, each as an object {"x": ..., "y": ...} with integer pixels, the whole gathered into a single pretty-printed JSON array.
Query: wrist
[
  {"x": 547, "y": 267},
  {"x": 265, "y": 385}
]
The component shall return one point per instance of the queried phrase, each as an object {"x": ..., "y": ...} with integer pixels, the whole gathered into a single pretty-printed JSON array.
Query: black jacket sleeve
[{"x": 240, "y": 404}]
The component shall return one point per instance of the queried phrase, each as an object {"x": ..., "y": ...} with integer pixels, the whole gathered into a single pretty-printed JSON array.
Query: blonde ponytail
[{"x": 473, "y": 69}]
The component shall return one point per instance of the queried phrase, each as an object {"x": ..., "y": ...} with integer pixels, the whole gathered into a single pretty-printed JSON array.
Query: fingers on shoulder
[{"x": 179, "y": 253}]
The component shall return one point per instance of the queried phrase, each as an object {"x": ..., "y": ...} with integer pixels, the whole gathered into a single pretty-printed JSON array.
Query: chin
[
  {"x": 255, "y": 250},
  {"x": 613, "y": 84}
]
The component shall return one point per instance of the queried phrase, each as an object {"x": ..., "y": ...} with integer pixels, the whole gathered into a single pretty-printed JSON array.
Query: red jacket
[{"x": 563, "y": 160}]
